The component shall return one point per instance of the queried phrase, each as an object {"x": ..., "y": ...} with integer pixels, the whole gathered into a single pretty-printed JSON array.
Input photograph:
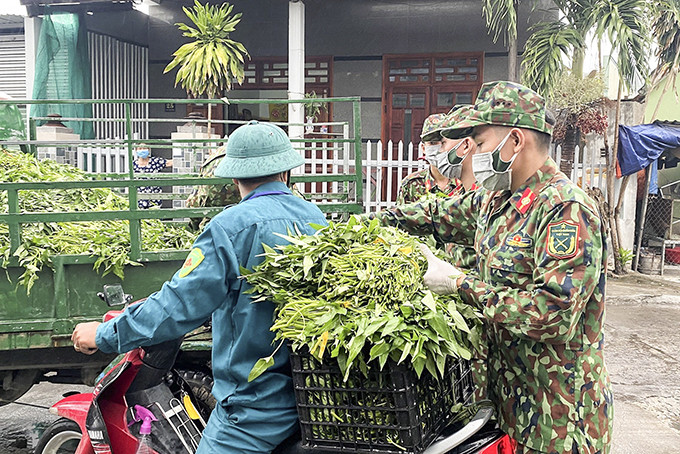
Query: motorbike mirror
[{"x": 113, "y": 295}]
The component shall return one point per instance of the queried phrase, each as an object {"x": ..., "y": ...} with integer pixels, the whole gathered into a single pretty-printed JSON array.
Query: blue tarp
[{"x": 641, "y": 145}]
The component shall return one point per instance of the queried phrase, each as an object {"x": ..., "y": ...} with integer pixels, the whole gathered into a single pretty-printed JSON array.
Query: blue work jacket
[{"x": 208, "y": 284}]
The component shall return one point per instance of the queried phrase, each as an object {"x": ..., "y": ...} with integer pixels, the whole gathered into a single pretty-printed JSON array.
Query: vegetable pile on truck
[{"x": 54, "y": 268}]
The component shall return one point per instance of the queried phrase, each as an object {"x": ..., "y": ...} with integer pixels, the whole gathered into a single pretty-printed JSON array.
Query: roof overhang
[{"x": 37, "y": 7}]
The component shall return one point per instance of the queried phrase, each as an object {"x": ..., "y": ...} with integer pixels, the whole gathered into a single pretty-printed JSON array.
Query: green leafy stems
[
  {"x": 354, "y": 292},
  {"x": 108, "y": 241}
]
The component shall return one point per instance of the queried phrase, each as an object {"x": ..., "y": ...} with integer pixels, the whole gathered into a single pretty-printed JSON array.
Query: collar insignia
[{"x": 525, "y": 201}]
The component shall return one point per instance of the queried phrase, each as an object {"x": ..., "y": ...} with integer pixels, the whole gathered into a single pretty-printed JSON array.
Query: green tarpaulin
[{"x": 63, "y": 71}]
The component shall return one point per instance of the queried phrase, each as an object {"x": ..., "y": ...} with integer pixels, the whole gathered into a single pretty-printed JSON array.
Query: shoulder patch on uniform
[
  {"x": 524, "y": 202},
  {"x": 563, "y": 239},
  {"x": 194, "y": 259},
  {"x": 519, "y": 241}
]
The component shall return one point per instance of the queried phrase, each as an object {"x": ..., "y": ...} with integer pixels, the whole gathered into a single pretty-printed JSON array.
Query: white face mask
[
  {"x": 484, "y": 168},
  {"x": 449, "y": 164},
  {"x": 431, "y": 152}
]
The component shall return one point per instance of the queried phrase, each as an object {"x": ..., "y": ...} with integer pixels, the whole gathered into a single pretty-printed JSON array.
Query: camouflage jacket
[
  {"x": 540, "y": 282},
  {"x": 421, "y": 185},
  {"x": 211, "y": 195}
]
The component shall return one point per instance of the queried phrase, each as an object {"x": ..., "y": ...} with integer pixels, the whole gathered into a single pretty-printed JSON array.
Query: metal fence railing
[{"x": 115, "y": 157}]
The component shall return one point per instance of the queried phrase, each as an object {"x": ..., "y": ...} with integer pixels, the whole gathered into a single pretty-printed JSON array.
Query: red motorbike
[{"x": 140, "y": 404}]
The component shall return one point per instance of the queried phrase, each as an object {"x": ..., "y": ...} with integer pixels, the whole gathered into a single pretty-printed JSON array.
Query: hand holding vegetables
[{"x": 441, "y": 277}]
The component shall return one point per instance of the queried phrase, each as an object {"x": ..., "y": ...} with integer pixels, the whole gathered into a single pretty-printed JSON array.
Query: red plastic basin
[{"x": 673, "y": 255}]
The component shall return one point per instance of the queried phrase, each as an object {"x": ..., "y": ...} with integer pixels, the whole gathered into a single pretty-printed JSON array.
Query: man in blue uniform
[{"x": 250, "y": 417}]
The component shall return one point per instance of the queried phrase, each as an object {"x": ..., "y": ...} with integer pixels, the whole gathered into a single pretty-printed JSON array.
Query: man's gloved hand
[{"x": 441, "y": 277}]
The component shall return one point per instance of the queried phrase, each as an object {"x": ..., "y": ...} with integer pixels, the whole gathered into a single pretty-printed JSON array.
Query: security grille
[{"x": 119, "y": 71}]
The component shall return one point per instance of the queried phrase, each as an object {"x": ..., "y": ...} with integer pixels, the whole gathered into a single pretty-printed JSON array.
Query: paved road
[
  {"x": 643, "y": 356},
  {"x": 21, "y": 424}
]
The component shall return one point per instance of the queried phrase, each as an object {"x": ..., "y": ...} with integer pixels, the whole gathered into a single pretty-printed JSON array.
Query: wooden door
[
  {"x": 408, "y": 107},
  {"x": 415, "y": 86}
]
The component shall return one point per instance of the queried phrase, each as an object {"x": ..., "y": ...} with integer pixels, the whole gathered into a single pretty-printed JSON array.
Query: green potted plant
[
  {"x": 312, "y": 109},
  {"x": 212, "y": 61}
]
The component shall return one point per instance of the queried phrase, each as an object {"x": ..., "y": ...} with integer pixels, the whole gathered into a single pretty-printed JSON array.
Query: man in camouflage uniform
[
  {"x": 539, "y": 279},
  {"x": 427, "y": 181},
  {"x": 431, "y": 182},
  {"x": 211, "y": 195}
]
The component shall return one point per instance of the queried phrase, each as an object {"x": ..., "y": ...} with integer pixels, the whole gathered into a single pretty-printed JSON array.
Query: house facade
[{"x": 405, "y": 59}]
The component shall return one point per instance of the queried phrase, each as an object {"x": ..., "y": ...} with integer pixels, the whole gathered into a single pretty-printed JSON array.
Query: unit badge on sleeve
[
  {"x": 563, "y": 239},
  {"x": 194, "y": 258}
]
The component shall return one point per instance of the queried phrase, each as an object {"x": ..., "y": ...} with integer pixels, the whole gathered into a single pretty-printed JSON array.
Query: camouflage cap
[
  {"x": 431, "y": 127},
  {"x": 507, "y": 104},
  {"x": 455, "y": 116}
]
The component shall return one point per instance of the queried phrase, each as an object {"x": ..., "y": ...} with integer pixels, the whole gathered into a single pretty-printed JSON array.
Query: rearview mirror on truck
[{"x": 113, "y": 295}]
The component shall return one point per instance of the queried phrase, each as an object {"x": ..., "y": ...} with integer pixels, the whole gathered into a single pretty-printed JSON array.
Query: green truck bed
[{"x": 35, "y": 328}]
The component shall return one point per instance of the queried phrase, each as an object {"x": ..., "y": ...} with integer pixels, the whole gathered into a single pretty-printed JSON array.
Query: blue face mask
[{"x": 143, "y": 153}]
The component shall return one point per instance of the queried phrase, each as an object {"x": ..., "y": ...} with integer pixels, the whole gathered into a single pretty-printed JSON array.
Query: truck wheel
[
  {"x": 15, "y": 383},
  {"x": 60, "y": 437},
  {"x": 201, "y": 385}
]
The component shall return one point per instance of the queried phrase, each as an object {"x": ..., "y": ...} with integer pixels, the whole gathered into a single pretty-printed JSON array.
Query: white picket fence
[
  {"x": 589, "y": 169},
  {"x": 383, "y": 172}
]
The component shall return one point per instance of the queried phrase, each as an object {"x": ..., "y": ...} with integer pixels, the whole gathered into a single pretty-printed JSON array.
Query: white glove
[{"x": 441, "y": 276}]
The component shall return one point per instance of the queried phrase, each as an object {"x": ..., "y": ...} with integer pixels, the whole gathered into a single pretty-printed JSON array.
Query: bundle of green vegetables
[
  {"x": 354, "y": 291},
  {"x": 108, "y": 241}
]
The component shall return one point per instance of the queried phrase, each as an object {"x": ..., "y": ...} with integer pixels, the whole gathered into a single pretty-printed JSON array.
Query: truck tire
[
  {"x": 60, "y": 437},
  {"x": 18, "y": 382},
  {"x": 201, "y": 385}
]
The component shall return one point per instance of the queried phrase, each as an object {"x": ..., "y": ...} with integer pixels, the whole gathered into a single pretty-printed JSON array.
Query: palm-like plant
[
  {"x": 209, "y": 63},
  {"x": 545, "y": 52},
  {"x": 666, "y": 29},
  {"x": 555, "y": 45}
]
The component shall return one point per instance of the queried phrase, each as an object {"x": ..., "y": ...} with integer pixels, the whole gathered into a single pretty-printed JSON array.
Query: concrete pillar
[
  {"x": 296, "y": 67},
  {"x": 31, "y": 36}
]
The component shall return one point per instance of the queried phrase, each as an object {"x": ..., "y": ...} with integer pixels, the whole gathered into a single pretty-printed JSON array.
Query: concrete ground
[{"x": 643, "y": 357}]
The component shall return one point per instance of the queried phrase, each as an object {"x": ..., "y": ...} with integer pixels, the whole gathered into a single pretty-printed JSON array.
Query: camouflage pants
[
  {"x": 520, "y": 449},
  {"x": 478, "y": 369},
  {"x": 524, "y": 450}
]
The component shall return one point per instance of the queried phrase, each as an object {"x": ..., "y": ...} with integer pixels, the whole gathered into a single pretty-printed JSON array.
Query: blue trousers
[{"x": 241, "y": 430}]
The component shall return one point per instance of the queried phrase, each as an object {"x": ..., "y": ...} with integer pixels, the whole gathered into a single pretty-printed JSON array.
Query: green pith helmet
[
  {"x": 430, "y": 132},
  {"x": 455, "y": 115},
  {"x": 257, "y": 150},
  {"x": 506, "y": 103}
]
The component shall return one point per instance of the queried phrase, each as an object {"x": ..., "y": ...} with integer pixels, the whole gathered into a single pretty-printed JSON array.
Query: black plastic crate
[{"x": 390, "y": 411}]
